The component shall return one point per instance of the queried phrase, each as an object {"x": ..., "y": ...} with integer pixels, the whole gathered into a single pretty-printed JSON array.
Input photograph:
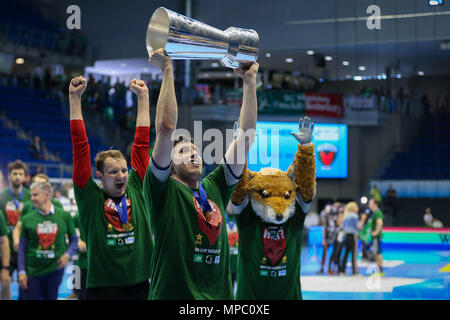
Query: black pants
[
  {"x": 349, "y": 246},
  {"x": 335, "y": 255},
  {"x": 137, "y": 292}
]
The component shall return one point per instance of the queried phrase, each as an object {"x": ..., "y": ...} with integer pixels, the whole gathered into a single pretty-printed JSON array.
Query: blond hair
[
  {"x": 350, "y": 207},
  {"x": 103, "y": 155}
]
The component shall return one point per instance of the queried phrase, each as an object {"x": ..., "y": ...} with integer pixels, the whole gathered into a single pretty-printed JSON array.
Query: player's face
[
  {"x": 39, "y": 197},
  {"x": 114, "y": 177},
  {"x": 17, "y": 177},
  {"x": 187, "y": 161},
  {"x": 372, "y": 205}
]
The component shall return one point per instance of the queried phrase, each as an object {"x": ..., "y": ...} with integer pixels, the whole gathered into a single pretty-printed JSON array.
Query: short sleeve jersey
[
  {"x": 116, "y": 257},
  {"x": 191, "y": 256},
  {"x": 46, "y": 240}
]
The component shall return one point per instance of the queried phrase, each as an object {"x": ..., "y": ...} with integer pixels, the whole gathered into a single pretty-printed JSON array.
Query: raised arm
[
  {"x": 238, "y": 150},
  {"x": 80, "y": 145},
  {"x": 140, "y": 151},
  {"x": 166, "y": 111},
  {"x": 304, "y": 161}
]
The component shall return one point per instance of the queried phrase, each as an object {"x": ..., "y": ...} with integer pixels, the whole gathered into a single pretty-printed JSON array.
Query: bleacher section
[
  {"x": 428, "y": 156},
  {"x": 22, "y": 24},
  {"x": 41, "y": 117}
]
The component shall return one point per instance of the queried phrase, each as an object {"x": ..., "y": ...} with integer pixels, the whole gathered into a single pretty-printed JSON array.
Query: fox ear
[{"x": 289, "y": 170}]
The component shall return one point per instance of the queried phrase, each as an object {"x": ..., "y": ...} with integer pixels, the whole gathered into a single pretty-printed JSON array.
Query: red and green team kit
[{"x": 190, "y": 258}]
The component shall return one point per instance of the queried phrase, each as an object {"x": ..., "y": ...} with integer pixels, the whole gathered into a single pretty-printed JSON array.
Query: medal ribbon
[
  {"x": 202, "y": 199},
  {"x": 123, "y": 211},
  {"x": 16, "y": 203}
]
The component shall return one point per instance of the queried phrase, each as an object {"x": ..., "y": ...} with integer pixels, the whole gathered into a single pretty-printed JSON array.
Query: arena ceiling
[{"x": 413, "y": 36}]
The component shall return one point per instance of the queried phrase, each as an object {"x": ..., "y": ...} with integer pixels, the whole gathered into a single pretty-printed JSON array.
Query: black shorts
[{"x": 376, "y": 245}]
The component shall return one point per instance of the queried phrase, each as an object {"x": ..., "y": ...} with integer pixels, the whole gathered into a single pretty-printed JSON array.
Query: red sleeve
[
  {"x": 140, "y": 151},
  {"x": 81, "y": 154}
]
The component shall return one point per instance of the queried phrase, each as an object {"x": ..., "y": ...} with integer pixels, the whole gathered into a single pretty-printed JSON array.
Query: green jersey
[
  {"x": 191, "y": 258},
  {"x": 269, "y": 255},
  {"x": 46, "y": 240},
  {"x": 117, "y": 256},
  {"x": 82, "y": 256},
  {"x": 377, "y": 215},
  {"x": 12, "y": 209},
  {"x": 3, "y": 227}
]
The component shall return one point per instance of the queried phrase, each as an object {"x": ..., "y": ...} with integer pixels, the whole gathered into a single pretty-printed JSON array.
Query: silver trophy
[{"x": 184, "y": 38}]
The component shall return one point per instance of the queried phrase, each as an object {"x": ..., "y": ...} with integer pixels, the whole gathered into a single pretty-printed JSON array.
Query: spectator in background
[
  {"x": 350, "y": 222},
  {"x": 389, "y": 204},
  {"x": 36, "y": 148},
  {"x": 377, "y": 234},
  {"x": 329, "y": 232},
  {"x": 431, "y": 222},
  {"x": 425, "y": 105},
  {"x": 428, "y": 218},
  {"x": 375, "y": 193},
  {"x": 65, "y": 202},
  {"x": 333, "y": 265}
]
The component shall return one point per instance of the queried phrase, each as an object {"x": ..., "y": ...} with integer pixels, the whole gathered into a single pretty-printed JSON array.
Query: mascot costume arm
[{"x": 303, "y": 169}]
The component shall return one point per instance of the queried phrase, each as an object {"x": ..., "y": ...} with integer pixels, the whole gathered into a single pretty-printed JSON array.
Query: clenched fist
[
  {"x": 138, "y": 87},
  {"x": 249, "y": 75},
  {"x": 160, "y": 59},
  {"x": 77, "y": 86}
]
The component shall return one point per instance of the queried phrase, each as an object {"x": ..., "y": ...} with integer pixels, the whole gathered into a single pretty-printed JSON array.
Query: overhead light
[
  {"x": 379, "y": 77},
  {"x": 384, "y": 76},
  {"x": 328, "y": 58},
  {"x": 309, "y": 52},
  {"x": 320, "y": 80},
  {"x": 345, "y": 63},
  {"x": 364, "y": 200},
  {"x": 357, "y": 78},
  {"x": 289, "y": 60},
  {"x": 362, "y": 68},
  {"x": 420, "y": 73},
  {"x": 435, "y": 2},
  {"x": 268, "y": 55},
  {"x": 214, "y": 64},
  {"x": 20, "y": 61},
  {"x": 399, "y": 76}
]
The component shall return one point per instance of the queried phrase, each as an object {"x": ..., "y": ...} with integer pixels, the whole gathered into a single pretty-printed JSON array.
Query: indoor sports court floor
[
  {"x": 424, "y": 270},
  {"x": 409, "y": 274}
]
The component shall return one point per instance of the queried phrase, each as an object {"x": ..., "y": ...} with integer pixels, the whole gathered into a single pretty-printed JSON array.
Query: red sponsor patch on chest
[
  {"x": 46, "y": 233},
  {"x": 112, "y": 215},
  {"x": 13, "y": 214},
  {"x": 274, "y": 241},
  {"x": 212, "y": 224}
]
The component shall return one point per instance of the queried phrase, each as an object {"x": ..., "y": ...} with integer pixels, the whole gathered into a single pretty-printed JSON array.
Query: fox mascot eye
[
  {"x": 264, "y": 194},
  {"x": 287, "y": 195}
]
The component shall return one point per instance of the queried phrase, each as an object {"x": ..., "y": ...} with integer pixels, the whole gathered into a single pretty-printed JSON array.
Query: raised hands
[
  {"x": 306, "y": 127},
  {"x": 138, "y": 87},
  {"x": 249, "y": 75},
  {"x": 160, "y": 59},
  {"x": 77, "y": 86}
]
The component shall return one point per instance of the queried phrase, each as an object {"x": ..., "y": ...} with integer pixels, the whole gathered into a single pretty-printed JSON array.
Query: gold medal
[{"x": 127, "y": 227}]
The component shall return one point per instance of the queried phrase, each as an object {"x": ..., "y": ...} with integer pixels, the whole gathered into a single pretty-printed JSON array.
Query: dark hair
[
  {"x": 377, "y": 202},
  {"x": 103, "y": 155},
  {"x": 182, "y": 138},
  {"x": 17, "y": 165}
]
